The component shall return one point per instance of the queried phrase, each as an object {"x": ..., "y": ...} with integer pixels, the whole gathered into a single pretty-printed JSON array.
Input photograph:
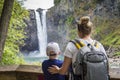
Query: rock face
[
  {"x": 62, "y": 17},
  {"x": 64, "y": 11},
  {"x": 56, "y": 23},
  {"x": 108, "y": 8},
  {"x": 31, "y": 42}
]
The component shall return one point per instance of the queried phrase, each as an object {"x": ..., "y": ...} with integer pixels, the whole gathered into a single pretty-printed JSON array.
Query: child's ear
[{"x": 47, "y": 54}]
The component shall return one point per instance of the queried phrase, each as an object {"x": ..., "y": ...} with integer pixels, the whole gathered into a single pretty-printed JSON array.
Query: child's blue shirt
[{"x": 49, "y": 63}]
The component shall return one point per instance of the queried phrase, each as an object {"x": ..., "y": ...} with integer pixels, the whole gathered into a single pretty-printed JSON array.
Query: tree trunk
[{"x": 4, "y": 22}]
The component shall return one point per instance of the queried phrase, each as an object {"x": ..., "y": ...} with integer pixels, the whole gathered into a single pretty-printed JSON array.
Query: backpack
[{"x": 91, "y": 63}]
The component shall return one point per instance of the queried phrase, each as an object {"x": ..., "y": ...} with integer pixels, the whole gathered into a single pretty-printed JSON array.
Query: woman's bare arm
[{"x": 66, "y": 64}]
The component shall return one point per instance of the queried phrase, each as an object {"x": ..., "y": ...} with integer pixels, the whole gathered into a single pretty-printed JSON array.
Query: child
[{"x": 52, "y": 52}]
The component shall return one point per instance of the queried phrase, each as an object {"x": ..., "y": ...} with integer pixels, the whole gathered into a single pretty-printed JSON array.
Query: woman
[{"x": 84, "y": 27}]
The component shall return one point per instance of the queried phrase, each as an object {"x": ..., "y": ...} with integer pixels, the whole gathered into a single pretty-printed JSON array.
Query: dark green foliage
[
  {"x": 56, "y": 2},
  {"x": 117, "y": 54},
  {"x": 15, "y": 36},
  {"x": 69, "y": 20},
  {"x": 1, "y": 6},
  {"x": 109, "y": 32},
  {"x": 71, "y": 27},
  {"x": 98, "y": 1}
]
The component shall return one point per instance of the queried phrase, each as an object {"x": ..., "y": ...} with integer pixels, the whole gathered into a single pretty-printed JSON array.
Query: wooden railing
[{"x": 32, "y": 72}]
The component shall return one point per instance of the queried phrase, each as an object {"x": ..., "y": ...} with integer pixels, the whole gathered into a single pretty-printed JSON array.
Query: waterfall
[
  {"x": 41, "y": 32},
  {"x": 35, "y": 5}
]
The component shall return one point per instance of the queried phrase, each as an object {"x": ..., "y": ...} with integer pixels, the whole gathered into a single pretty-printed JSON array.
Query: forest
[{"x": 15, "y": 34}]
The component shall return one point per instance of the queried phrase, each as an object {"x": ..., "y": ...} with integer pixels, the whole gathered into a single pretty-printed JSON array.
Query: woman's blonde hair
[{"x": 85, "y": 26}]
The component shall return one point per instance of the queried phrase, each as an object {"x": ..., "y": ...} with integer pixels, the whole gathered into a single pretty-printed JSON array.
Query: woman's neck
[{"x": 87, "y": 37}]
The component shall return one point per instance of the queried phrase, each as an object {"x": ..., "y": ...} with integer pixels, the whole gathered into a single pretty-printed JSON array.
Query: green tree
[
  {"x": 4, "y": 22},
  {"x": 15, "y": 36}
]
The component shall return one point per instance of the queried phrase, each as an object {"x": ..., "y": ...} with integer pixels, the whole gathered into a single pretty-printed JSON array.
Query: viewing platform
[{"x": 33, "y": 72}]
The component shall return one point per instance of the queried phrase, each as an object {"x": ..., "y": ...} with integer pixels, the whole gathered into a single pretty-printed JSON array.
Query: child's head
[{"x": 52, "y": 49}]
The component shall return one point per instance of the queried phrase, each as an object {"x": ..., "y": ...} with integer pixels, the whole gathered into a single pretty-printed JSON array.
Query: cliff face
[
  {"x": 61, "y": 23},
  {"x": 105, "y": 14},
  {"x": 31, "y": 41}
]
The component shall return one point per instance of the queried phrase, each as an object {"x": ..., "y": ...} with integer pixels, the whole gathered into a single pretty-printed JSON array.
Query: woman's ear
[{"x": 47, "y": 54}]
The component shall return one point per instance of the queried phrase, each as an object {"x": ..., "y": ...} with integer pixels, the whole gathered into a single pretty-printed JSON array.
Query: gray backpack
[{"x": 91, "y": 63}]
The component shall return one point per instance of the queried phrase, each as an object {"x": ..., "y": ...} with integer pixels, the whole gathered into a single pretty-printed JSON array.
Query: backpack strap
[
  {"x": 96, "y": 44},
  {"x": 80, "y": 42},
  {"x": 77, "y": 43}
]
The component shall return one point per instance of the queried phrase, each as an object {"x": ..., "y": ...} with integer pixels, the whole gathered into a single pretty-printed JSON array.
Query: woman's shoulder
[
  {"x": 97, "y": 42},
  {"x": 70, "y": 43}
]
